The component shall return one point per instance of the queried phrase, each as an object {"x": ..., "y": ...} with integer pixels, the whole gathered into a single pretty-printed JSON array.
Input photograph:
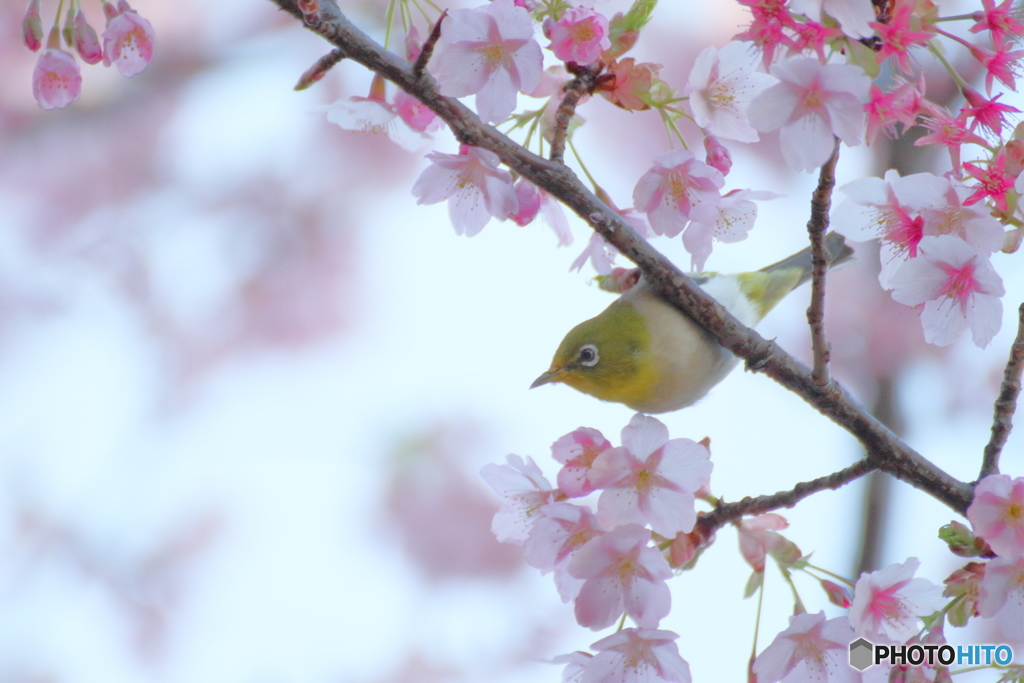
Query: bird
[{"x": 643, "y": 352}]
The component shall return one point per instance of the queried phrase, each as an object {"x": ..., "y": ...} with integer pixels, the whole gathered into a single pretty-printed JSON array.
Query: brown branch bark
[
  {"x": 821, "y": 202},
  {"x": 884, "y": 450},
  {"x": 709, "y": 522},
  {"x": 1006, "y": 403}
]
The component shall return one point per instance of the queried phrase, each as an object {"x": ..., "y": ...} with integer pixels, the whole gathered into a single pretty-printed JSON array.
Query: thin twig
[
  {"x": 709, "y": 522},
  {"x": 1006, "y": 404},
  {"x": 821, "y": 201},
  {"x": 885, "y": 450},
  {"x": 427, "y": 50},
  {"x": 584, "y": 83},
  {"x": 320, "y": 68}
]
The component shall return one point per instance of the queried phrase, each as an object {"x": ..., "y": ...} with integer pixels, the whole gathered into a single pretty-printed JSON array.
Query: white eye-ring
[{"x": 588, "y": 356}]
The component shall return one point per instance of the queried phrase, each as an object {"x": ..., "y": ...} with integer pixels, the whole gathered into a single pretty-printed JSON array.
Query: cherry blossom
[
  {"x": 759, "y": 536},
  {"x": 650, "y": 479},
  {"x": 958, "y": 287},
  {"x": 995, "y": 182},
  {"x": 1000, "y": 21},
  {"x": 676, "y": 190},
  {"x": 56, "y": 80},
  {"x": 811, "y": 650},
  {"x": 561, "y": 530},
  {"x": 890, "y": 209},
  {"x": 580, "y": 36},
  {"x": 812, "y": 103},
  {"x": 721, "y": 86},
  {"x": 898, "y": 36},
  {"x": 630, "y": 87},
  {"x": 32, "y": 27},
  {"x": 415, "y": 114},
  {"x": 974, "y": 224},
  {"x": 1001, "y": 65},
  {"x": 813, "y": 36},
  {"x": 1001, "y": 595},
  {"x": 576, "y": 451},
  {"x": 767, "y": 30},
  {"x": 636, "y": 655},
  {"x": 525, "y": 490},
  {"x": 900, "y": 105},
  {"x": 737, "y": 213},
  {"x": 533, "y": 201},
  {"x": 964, "y": 584},
  {"x": 888, "y": 602},
  {"x": 948, "y": 131},
  {"x": 853, "y": 15},
  {"x": 621, "y": 573},
  {"x": 489, "y": 52},
  {"x": 997, "y": 513},
  {"x": 476, "y": 189},
  {"x": 87, "y": 44},
  {"x": 717, "y": 155},
  {"x": 127, "y": 40},
  {"x": 986, "y": 112},
  {"x": 376, "y": 116}
]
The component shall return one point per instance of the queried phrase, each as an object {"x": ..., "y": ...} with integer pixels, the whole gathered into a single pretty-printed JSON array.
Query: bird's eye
[{"x": 588, "y": 356}]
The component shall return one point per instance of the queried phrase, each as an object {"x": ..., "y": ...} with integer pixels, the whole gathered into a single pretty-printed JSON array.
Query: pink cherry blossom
[
  {"x": 32, "y": 27},
  {"x": 811, "y": 650},
  {"x": 416, "y": 114},
  {"x": 1001, "y": 595},
  {"x": 1000, "y": 21},
  {"x": 574, "y": 661},
  {"x": 621, "y": 573},
  {"x": 87, "y": 44},
  {"x": 650, "y": 479},
  {"x": 561, "y": 530},
  {"x": 533, "y": 201},
  {"x": 974, "y": 224},
  {"x": 576, "y": 451},
  {"x": 887, "y": 603},
  {"x": 948, "y": 132},
  {"x": 890, "y": 209},
  {"x": 580, "y": 36},
  {"x": 900, "y": 105},
  {"x": 717, "y": 155},
  {"x": 987, "y": 112},
  {"x": 737, "y": 214},
  {"x": 767, "y": 30},
  {"x": 721, "y": 86},
  {"x": 853, "y": 16},
  {"x": 630, "y": 88},
  {"x": 995, "y": 182},
  {"x": 600, "y": 254},
  {"x": 636, "y": 655},
  {"x": 525, "y": 490},
  {"x": 898, "y": 36},
  {"x": 1001, "y": 65},
  {"x": 476, "y": 189},
  {"x": 127, "y": 41},
  {"x": 958, "y": 287},
  {"x": 759, "y": 536},
  {"x": 676, "y": 190},
  {"x": 489, "y": 52},
  {"x": 374, "y": 115},
  {"x": 812, "y": 103},
  {"x": 57, "y": 79},
  {"x": 997, "y": 514}
]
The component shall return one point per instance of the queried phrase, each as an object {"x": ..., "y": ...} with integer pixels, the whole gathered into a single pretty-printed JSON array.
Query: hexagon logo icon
[{"x": 861, "y": 652}]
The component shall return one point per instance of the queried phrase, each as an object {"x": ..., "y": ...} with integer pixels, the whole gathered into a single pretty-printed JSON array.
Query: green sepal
[{"x": 755, "y": 581}]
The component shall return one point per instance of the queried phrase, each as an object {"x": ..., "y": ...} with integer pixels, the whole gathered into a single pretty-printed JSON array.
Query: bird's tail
[
  {"x": 838, "y": 250},
  {"x": 768, "y": 285}
]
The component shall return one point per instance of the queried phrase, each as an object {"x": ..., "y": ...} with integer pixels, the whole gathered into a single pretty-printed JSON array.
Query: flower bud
[
  {"x": 837, "y": 595},
  {"x": 86, "y": 41},
  {"x": 69, "y": 29},
  {"x": 32, "y": 27},
  {"x": 717, "y": 154}
]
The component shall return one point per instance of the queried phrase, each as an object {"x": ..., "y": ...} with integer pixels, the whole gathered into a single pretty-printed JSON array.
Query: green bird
[{"x": 643, "y": 352}]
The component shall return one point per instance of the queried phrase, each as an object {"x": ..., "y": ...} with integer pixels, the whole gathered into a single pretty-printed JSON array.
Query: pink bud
[
  {"x": 529, "y": 203},
  {"x": 413, "y": 45},
  {"x": 86, "y": 41},
  {"x": 32, "y": 27},
  {"x": 837, "y": 595},
  {"x": 109, "y": 11},
  {"x": 717, "y": 155}
]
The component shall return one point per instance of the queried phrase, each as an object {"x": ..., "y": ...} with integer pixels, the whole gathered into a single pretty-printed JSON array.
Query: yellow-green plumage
[{"x": 642, "y": 352}]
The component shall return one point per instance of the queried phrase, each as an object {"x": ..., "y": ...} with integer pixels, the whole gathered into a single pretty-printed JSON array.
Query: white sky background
[{"x": 288, "y": 453}]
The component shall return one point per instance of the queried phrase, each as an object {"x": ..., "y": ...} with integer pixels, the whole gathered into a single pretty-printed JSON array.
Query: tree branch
[
  {"x": 821, "y": 201},
  {"x": 1006, "y": 403},
  {"x": 885, "y": 451},
  {"x": 709, "y": 522}
]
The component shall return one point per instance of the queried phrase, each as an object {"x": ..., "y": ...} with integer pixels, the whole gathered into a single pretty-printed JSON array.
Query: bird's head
[{"x": 603, "y": 356}]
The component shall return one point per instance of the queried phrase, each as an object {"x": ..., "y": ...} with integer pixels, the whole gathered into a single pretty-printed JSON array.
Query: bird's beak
[{"x": 552, "y": 375}]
